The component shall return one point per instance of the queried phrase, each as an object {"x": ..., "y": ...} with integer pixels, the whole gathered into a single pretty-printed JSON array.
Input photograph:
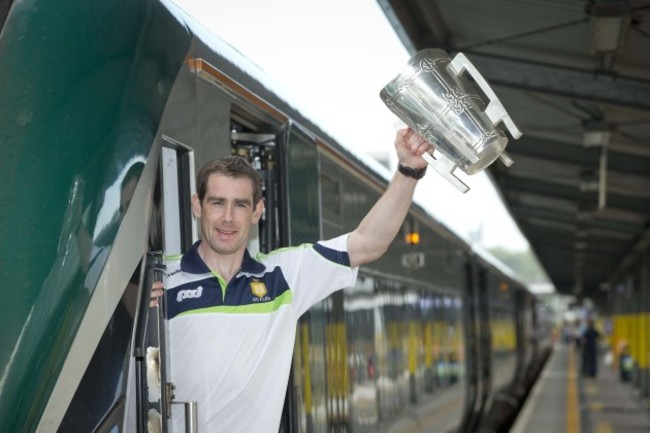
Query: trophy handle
[
  {"x": 494, "y": 111},
  {"x": 445, "y": 167},
  {"x": 505, "y": 159}
]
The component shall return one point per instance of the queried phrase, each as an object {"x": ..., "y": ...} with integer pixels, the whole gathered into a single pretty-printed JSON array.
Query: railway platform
[{"x": 563, "y": 400}]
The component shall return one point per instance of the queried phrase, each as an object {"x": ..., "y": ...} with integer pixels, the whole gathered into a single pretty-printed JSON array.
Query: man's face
[{"x": 227, "y": 212}]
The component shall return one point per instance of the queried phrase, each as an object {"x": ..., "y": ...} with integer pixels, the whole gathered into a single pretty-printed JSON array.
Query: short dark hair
[{"x": 231, "y": 166}]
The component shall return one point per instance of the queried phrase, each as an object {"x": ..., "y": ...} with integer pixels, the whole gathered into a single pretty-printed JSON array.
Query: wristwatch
[{"x": 415, "y": 173}]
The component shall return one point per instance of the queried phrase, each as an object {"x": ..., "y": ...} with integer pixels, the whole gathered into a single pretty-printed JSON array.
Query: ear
[
  {"x": 259, "y": 210},
  {"x": 196, "y": 206}
]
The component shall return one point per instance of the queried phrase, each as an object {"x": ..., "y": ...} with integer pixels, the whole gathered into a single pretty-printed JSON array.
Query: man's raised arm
[{"x": 371, "y": 238}]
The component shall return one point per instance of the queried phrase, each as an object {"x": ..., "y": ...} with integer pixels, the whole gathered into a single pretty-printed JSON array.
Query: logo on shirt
[
  {"x": 190, "y": 293},
  {"x": 258, "y": 288}
]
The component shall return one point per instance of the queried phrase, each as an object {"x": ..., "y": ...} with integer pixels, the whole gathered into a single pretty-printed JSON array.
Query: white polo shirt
[{"x": 230, "y": 345}]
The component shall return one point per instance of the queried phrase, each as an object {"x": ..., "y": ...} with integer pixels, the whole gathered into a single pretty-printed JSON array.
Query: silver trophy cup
[{"x": 434, "y": 99}]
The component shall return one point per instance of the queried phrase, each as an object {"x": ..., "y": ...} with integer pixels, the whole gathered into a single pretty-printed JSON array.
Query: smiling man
[
  {"x": 227, "y": 207},
  {"x": 232, "y": 318}
]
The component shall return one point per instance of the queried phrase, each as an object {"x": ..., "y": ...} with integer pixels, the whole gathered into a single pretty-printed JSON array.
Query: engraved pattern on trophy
[{"x": 460, "y": 102}]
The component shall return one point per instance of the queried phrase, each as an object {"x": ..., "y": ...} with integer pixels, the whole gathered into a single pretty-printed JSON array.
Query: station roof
[{"x": 579, "y": 90}]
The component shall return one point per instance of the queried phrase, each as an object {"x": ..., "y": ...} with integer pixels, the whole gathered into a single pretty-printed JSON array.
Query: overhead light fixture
[
  {"x": 580, "y": 246},
  {"x": 596, "y": 134},
  {"x": 608, "y": 23},
  {"x": 606, "y": 33},
  {"x": 602, "y": 179},
  {"x": 577, "y": 284}
]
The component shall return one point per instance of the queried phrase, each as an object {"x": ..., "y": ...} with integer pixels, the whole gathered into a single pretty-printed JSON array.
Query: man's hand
[
  {"x": 410, "y": 147},
  {"x": 156, "y": 292}
]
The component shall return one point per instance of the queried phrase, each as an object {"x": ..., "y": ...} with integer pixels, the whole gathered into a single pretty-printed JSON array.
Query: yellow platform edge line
[{"x": 572, "y": 407}]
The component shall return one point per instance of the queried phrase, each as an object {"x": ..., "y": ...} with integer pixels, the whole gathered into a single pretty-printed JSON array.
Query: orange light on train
[
  {"x": 412, "y": 238},
  {"x": 503, "y": 286}
]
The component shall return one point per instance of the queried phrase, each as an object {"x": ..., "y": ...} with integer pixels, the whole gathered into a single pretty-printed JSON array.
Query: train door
[
  {"x": 472, "y": 342},
  {"x": 178, "y": 167},
  {"x": 100, "y": 401},
  {"x": 180, "y": 232}
]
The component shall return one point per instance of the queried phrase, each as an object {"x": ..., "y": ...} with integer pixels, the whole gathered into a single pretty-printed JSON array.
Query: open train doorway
[{"x": 180, "y": 232}]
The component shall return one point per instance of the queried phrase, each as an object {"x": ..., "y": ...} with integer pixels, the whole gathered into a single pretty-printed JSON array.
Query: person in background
[
  {"x": 232, "y": 318},
  {"x": 577, "y": 334},
  {"x": 590, "y": 339}
]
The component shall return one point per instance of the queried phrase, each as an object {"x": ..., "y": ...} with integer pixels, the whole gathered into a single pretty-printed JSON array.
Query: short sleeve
[{"x": 315, "y": 271}]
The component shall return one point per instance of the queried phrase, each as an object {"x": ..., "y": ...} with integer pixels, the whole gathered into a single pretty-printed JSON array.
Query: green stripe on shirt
[{"x": 262, "y": 307}]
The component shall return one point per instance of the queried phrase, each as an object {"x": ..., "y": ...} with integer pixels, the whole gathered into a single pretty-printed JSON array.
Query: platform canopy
[{"x": 575, "y": 78}]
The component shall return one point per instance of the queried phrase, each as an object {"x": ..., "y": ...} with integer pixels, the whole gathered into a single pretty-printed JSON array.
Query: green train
[{"x": 106, "y": 111}]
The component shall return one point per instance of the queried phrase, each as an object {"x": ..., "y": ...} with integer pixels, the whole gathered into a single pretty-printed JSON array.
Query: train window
[
  {"x": 177, "y": 188},
  {"x": 331, "y": 195},
  {"x": 310, "y": 368},
  {"x": 303, "y": 189},
  {"x": 392, "y": 354},
  {"x": 361, "y": 318},
  {"x": 338, "y": 386}
]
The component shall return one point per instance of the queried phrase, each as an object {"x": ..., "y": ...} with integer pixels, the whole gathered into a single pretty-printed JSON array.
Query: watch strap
[{"x": 415, "y": 173}]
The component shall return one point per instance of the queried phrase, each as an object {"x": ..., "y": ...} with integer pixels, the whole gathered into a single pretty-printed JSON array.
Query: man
[
  {"x": 232, "y": 318},
  {"x": 590, "y": 338}
]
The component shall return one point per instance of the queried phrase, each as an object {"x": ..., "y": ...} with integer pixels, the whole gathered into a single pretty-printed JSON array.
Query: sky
[{"x": 332, "y": 58}]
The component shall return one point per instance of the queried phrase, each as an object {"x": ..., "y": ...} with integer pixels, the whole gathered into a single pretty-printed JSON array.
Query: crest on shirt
[{"x": 258, "y": 288}]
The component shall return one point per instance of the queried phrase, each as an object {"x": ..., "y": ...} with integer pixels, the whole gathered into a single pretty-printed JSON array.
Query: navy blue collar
[{"x": 194, "y": 264}]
